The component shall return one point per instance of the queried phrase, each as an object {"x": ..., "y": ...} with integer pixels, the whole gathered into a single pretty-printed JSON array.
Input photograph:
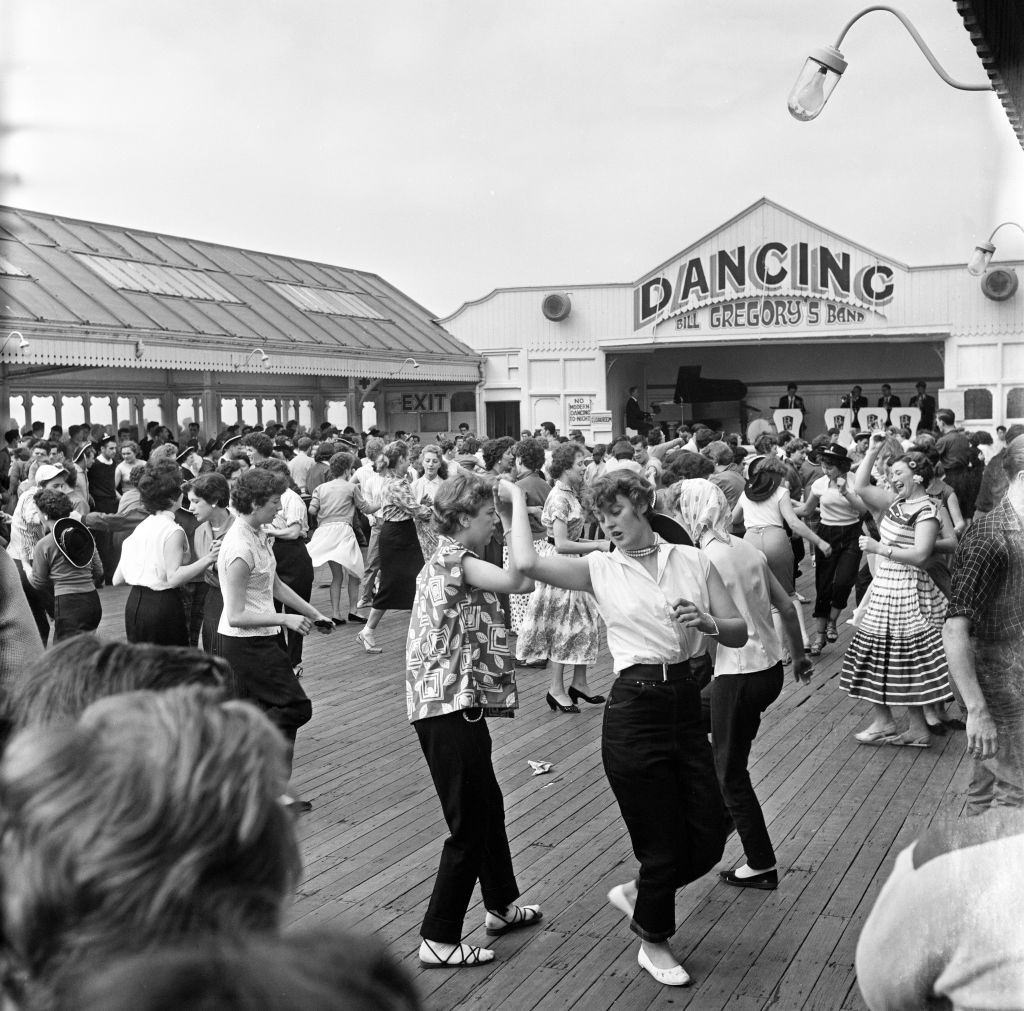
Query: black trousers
[
  {"x": 38, "y": 603},
  {"x": 295, "y": 570},
  {"x": 213, "y": 607},
  {"x": 74, "y": 613},
  {"x": 834, "y": 576},
  {"x": 737, "y": 702},
  {"x": 658, "y": 761},
  {"x": 155, "y": 616},
  {"x": 458, "y": 754},
  {"x": 263, "y": 673}
]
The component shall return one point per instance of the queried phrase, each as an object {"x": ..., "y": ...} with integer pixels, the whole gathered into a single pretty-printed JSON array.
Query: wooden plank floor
[{"x": 838, "y": 814}]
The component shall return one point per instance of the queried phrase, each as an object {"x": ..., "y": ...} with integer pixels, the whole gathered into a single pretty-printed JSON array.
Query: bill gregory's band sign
[{"x": 739, "y": 281}]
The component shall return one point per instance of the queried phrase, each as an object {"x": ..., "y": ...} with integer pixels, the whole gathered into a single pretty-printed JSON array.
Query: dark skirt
[
  {"x": 213, "y": 606},
  {"x": 400, "y": 564},
  {"x": 294, "y": 566},
  {"x": 156, "y": 616}
]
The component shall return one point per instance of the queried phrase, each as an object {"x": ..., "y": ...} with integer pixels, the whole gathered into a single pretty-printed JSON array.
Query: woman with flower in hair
[{"x": 896, "y": 657}]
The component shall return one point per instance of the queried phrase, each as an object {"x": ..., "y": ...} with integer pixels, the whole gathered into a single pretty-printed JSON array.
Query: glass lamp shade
[
  {"x": 980, "y": 259},
  {"x": 817, "y": 80}
]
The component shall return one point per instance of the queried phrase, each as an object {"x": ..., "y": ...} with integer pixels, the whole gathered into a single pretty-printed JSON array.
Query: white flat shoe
[{"x": 676, "y": 976}]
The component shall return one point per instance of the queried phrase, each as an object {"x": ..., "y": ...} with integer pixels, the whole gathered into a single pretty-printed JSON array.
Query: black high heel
[
  {"x": 554, "y": 704},
  {"x": 575, "y": 694}
]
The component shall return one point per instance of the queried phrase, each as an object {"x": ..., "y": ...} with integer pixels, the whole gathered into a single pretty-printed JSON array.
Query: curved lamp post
[
  {"x": 984, "y": 251},
  {"x": 824, "y": 67},
  {"x": 22, "y": 343}
]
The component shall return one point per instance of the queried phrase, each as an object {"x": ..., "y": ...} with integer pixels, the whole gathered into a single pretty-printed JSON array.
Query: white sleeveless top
[{"x": 142, "y": 554}]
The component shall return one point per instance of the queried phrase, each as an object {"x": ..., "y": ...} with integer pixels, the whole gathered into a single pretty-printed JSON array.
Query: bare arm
[
  {"x": 565, "y": 546},
  {"x": 175, "y": 550},
  {"x": 723, "y": 620},
  {"x": 876, "y": 499},
  {"x": 981, "y": 729},
  {"x": 287, "y": 596},
  {"x": 800, "y": 528},
  {"x": 783, "y": 603},
  {"x": 926, "y": 532},
  {"x": 567, "y": 573},
  {"x": 956, "y": 514}
]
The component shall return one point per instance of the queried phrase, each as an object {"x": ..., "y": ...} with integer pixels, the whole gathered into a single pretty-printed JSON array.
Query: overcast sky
[{"x": 455, "y": 147}]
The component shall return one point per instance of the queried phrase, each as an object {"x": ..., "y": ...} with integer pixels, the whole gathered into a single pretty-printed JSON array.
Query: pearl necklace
[{"x": 641, "y": 552}]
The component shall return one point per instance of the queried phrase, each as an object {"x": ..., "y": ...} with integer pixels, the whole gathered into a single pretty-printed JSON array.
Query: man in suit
[
  {"x": 925, "y": 403},
  {"x": 854, "y": 400},
  {"x": 791, "y": 402},
  {"x": 634, "y": 413},
  {"x": 888, "y": 399}
]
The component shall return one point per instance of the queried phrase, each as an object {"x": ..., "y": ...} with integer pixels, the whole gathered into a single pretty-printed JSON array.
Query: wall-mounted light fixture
[
  {"x": 22, "y": 343},
  {"x": 824, "y": 67},
  {"x": 264, "y": 358},
  {"x": 984, "y": 251}
]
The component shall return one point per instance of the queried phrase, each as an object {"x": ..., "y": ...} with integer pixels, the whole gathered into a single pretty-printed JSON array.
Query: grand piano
[{"x": 718, "y": 403}]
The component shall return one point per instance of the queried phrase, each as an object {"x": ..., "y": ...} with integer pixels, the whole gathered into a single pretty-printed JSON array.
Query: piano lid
[{"x": 691, "y": 388}]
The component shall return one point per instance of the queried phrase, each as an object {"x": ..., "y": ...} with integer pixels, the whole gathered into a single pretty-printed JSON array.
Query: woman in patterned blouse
[
  {"x": 400, "y": 555},
  {"x": 459, "y": 669}
]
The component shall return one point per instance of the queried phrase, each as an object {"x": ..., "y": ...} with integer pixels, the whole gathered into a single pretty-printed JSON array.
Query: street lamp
[
  {"x": 984, "y": 251},
  {"x": 264, "y": 357},
  {"x": 22, "y": 343},
  {"x": 824, "y": 67}
]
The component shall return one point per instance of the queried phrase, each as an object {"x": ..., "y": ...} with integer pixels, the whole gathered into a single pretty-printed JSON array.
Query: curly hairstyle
[
  {"x": 682, "y": 465},
  {"x": 462, "y": 495},
  {"x": 229, "y": 468},
  {"x": 255, "y": 488},
  {"x": 495, "y": 449},
  {"x": 374, "y": 447},
  {"x": 391, "y": 455},
  {"x": 605, "y": 491},
  {"x": 530, "y": 452},
  {"x": 279, "y": 467},
  {"x": 765, "y": 443},
  {"x": 920, "y": 464},
  {"x": 53, "y": 504},
  {"x": 155, "y": 818},
  {"x": 325, "y": 451},
  {"x": 597, "y": 454},
  {"x": 340, "y": 464},
  {"x": 78, "y": 671},
  {"x": 564, "y": 458},
  {"x": 259, "y": 442},
  {"x": 442, "y": 470},
  {"x": 160, "y": 486},
  {"x": 212, "y": 488},
  {"x": 129, "y": 444},
  {"x": 470, "y": 445},
  {"x": 770, "y": 463},
  {"x": 719, "y": 453}
]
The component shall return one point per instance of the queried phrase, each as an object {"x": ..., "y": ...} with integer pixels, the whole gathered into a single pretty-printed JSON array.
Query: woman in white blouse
[
  {"x": 155, "y": 561},
  {"x": 766, "y": 509},
  {"x": 836, "y": 572},
  {"x": 662, "y": 604},
  {"x": 747, "y": 680},
  {"x": 289, "y": 531},
  {"x": 424, "y": 487}
]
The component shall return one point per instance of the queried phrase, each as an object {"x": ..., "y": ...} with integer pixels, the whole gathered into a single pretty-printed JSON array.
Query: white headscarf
[{"x": 702, "y": 509}]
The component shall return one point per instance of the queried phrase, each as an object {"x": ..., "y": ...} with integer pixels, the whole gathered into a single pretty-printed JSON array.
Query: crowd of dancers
[{"x": 681, "y": 555}]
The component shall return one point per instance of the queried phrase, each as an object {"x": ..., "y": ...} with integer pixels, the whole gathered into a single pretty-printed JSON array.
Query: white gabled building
[{"x": 767, "y": 298}]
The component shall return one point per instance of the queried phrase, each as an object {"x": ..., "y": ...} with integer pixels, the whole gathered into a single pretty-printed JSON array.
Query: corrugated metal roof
[
  {"x": 996, "y": 28},
  {"x": 95, "y": 285}
]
